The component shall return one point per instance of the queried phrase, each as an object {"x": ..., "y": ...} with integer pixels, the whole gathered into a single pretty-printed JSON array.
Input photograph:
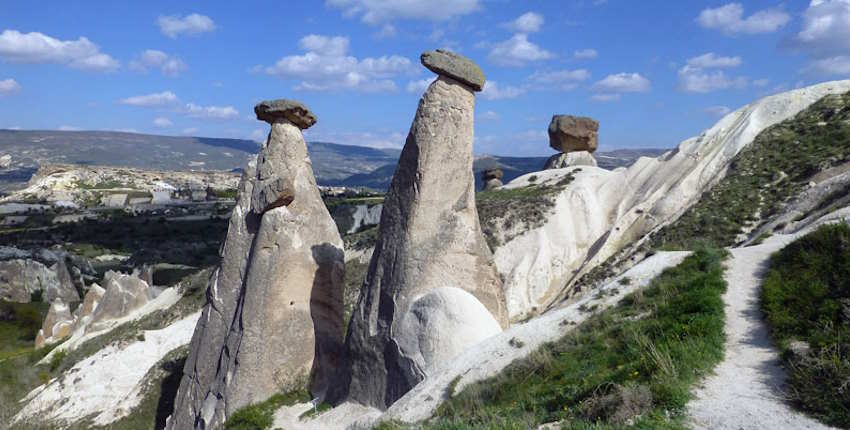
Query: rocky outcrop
[
  {"x": 21, "y": 279},
  {"x": 431, "y": 260},
  {"x": 123, "y": 294},
  {"x": 273, "y": 318},
  {"x": 600, "y": 212},
  {"x": 84, "y": 312},
  {"x": 57, "y": 324},
  {"x": 492, "y": 178},
  {"x": 561, "y": 161}
]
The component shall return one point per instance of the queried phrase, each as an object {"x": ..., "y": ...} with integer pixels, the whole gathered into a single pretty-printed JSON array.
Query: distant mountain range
[{"x": 333, "y": 164}]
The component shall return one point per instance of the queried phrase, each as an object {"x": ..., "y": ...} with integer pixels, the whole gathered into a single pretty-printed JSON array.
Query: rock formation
[
  {"x": 20, "y": 278},
  {"x": 90, "y": 303},
  {"x": 575, "y": 138},
  {"x": 492, "y": 178},
  {"x": 57, "y": 324},
  {"x": 431, "y": 271},
  {"x": 273, "y": 318},
  {"x": 124, "y": 294}
]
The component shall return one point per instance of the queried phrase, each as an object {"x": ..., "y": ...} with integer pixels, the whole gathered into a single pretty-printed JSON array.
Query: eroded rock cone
[
  {"x": 432, "y": 289},
  {"x": 273, "y": 318},
  {"x": 579, "y": 158},
  {"x": 569, "y": 133}
]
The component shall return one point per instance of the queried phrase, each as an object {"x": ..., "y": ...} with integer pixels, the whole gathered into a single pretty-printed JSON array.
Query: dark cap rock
[
  {"x": 290, "y": 110},
  {"x": 455, "y": 66},
  {"x": 492, "y": 173},
  {"x": 569, "y": 133}
]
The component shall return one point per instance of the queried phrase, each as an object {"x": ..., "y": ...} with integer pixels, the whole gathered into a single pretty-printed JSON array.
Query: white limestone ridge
[{"x": 601, "y": 211}]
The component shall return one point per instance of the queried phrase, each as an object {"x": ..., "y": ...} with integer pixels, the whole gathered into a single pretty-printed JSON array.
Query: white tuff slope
[{"x": 601, "y": 211}]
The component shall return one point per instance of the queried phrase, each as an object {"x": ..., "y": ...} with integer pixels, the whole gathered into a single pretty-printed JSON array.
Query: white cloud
[
  {"x": 9, "y": 86},
  {"x": 326, "y": 66},
  {"x": 387, "y": 31},
  {"x": 564, "y": 80},
  {"x": 162, "y": 122},
  {"x": 173, "y": 26},
  {"x": 585, "y": 54},
  {"x": 190, "y": 130},
  {"x": 623, "y": 83},
  {"x": 494, "y": 91},
  {"x": 419, "y": 86},
  {"x": 517, "y": 51},
  {"x": 717, "y": 111},
  {"x": 825, "y": 36},
  {"x": 694, "y": 78},
  {"x": 605, "y": 97},
  {"x": 211, "y": 112},
  {"x": 730, "y": 19},
  {"x": 379, "y": 11},
  {"x": 36, "y": 47},
  {"x": 68, "y": 128},
  {"x": 710, "y": 60},
  {"x": 489, "y": 116},
  {"x": 152, "y": 58},
  {"x": 528, "y": 22},
  {"x": 165, "y": 98},
  {"x": 761, "y": 82}
]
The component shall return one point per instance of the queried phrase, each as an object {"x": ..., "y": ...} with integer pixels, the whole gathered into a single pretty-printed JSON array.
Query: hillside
[{"x": 333, "y": 164}]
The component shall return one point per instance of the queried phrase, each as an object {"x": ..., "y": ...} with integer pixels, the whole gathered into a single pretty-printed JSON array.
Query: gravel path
[{"x": 746, "y": 390}]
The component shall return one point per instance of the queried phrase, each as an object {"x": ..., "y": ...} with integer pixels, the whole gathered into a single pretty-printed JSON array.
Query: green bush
[
  {"x": 806, "y": 298},
  {"x": 260, "y": 416},
  {"x": 634, "y": 362}
]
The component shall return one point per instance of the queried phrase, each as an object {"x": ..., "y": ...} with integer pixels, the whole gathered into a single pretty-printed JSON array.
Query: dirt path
[{"x": 746, "y": 390}]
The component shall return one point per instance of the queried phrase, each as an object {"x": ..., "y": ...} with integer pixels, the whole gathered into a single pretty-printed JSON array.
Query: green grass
[
  {"x": 806, "y": 298},
  {"x": 19, "y": 325},
  {"x": 260, "y": 416},
  {"x": 765, "y": 175},
  {"x": 615, "y": 368},
  {"x": 502, "y": 210}
]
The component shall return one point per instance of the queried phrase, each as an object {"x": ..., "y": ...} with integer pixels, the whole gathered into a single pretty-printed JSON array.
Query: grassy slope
[
  {"x": 765, "y": 175},
  {"x": 806, "y": 298},
  {"x": 634, "y": 362}
]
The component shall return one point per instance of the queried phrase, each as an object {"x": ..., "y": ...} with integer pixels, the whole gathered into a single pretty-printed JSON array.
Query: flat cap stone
[
  {"x": 455, "y": 66},
  {"x": 569, "y": 133},
  {"x": 290, "y": 110}
]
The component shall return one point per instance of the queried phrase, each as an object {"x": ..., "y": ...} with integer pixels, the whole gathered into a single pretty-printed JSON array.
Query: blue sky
[{"x": 652, "y": 72}]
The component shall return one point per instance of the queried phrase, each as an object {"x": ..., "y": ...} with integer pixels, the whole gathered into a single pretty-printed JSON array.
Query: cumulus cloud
[
  {"x": 165, "y": 98},
  {"x": 528, "y": 22},
  {"x": 695, "y": 76},
  {"x": 162, "y": 122},
  {"x": 585, "y": 54},
  {"x": 564, "y": 80},
  {"x": 152, "y": 58},
  {"x": 379, "y": 11},
  {"x": 17, "y": 47},
  {"x": 495, "y": 91},
  {"x": 717, "y": 111},
  {"x": 9, "y": 86},
  {"x": 825, "y": 36},
  {"x": 419, "y": 86},
  {"x": 193, "y": 24},
  {"x": 211, "y": 112},
  {"x": 730, "y": 19},
  {"x": 623, "y": 83},
  {"x": 326, "y": 65},
  {"x": 517, "y": 51}
]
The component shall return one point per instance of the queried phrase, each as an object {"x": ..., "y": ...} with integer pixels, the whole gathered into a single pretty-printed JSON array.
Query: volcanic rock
[
  {"x": 19, "y": 279},
  {"x": 290, "y": 110},
  {"x": 124, "y": 294},
  {"x": 430, "y": 252},
  {"x": 273, "y": 318},
  {"x": 57, "y": 324},
  {"x": 492, "y": 178},
  {"x": 560, "y": 161},
  {"x": 569, "y": 133},
  {"x": 457, "y": 67}
]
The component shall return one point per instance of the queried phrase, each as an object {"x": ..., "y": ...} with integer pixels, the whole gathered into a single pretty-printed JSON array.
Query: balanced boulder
[
  {"x": 273, "y": 318},
  {"x": 492, "y": 178},
  {"x": 569, "y": 133},
  {"x": 431, "y": 260}
]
